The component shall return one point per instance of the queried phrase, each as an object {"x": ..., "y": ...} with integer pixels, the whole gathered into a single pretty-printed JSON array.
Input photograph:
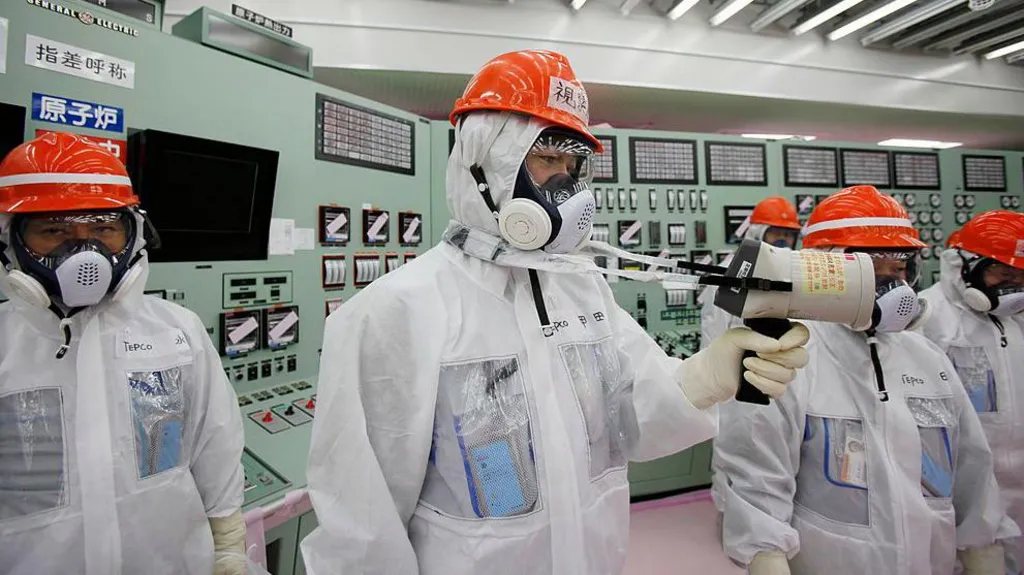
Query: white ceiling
[{"x": 935, "y": 27}]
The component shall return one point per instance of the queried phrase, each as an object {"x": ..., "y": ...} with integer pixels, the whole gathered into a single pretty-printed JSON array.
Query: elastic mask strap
[
  {"x": 483, "y": 187},
  {"x": 153, "y": 241},
  {"x": 476, "y": 171},
  {"x": 4, "y": 260}
]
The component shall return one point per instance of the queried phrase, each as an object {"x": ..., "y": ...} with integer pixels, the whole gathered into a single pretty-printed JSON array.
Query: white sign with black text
[
  {"x": 3, "y": 45},
  {"x": 75, "y": 61}
]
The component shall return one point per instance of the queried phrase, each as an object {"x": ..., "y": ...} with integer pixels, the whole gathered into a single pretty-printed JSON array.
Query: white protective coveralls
[
  {"x": 974, "y": 342},
  {"x": 831, "y": 475},
  {"x": 453, "y": 336},
  {"x": 113, "y": 457}
]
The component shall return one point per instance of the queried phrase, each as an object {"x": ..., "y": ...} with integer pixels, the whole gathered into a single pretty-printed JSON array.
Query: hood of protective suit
[
  {"x": 498, "y": 142},
  {"x": 951, "y": 280}
]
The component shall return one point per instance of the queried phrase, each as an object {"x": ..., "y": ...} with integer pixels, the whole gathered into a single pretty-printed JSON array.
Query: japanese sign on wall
[
  {"x": 117, "y": 147},
  {"x": 3, "y": 45},
  {"x": 75, "y": 61},
  {"x": 260, "y": 20},
  {"x": 60, "y": 110},
  {"x": 85, "y": 17}
]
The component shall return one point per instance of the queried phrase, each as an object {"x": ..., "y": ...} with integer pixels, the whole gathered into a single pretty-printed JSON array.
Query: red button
[
  {"x": 268, "y": 417},
  {"x": 311, "y": 404}
]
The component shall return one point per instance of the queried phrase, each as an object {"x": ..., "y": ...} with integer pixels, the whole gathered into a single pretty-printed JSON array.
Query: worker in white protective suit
[
  {"x": 873, "y": 461},
  {"x": 478, "y": 406},
  {"x": 773, "y": 221},
  {"x": 977, "y": 320},
  {"x": 120, "y": 437}
]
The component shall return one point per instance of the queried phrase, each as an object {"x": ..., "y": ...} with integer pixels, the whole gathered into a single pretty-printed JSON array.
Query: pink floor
[{"x": 676, "y": 535}]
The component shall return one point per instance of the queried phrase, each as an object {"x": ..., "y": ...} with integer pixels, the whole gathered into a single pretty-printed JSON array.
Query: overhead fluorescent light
[
  {"x": 989, "y": 42},
  {"x": 824, "y": 16},
  {"x": 869, "y": 18},
  {"x": 681, "y": 7},
  {"x": 1005, "y": 50},
  {"x": 965, "y": 34},
  {"x": 627, "y": 6},
  {"x": 909, "y": 143},
  {"x": 779, "y": 137},
  {"x": 777, "y": 10},
  {"x": 577, "y": 4},
  {"x": 728, "y": 11},
  {"x": 907, "y": 20},
  {"x": 933, "y": 30}
]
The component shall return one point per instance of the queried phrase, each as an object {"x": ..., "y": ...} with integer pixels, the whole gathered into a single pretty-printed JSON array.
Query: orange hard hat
[
  {"x": 775, "y": 211},
  {"x": 537, "y": 83},
  {"x": 860, "y": 217},
  {"x": 998, "y": 234},
  {"x": 953, "y": 238},
  {"x": 60, "y": 172}
]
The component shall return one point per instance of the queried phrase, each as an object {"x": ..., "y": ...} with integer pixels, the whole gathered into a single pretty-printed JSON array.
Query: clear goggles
[
  {"x": 781, "y": 237},
  {"x": 1002, "y": 278},
  {"x": 894, "y": 264},
  {"x": 43, "y": 233},
  {"x": 558, "y": 151}
]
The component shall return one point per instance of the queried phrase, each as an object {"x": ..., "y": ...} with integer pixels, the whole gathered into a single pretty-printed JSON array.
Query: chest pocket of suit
[
  {"x": 605, "y": 399},
  {"x": 937, "y": 427},
  {"x": 481, "y": 462},
  {"x": 833, "y": 476},
  {"x": 975, "y": 370},
  {"x": 158, "y": 417},
  {"x": 33, "y": 465}
]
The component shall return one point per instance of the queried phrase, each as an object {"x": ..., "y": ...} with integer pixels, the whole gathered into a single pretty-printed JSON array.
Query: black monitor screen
[
  {"x": 209, "y": 200},
  {"x": 12, "y": 127},
  {"x": 229, "y": 209}
]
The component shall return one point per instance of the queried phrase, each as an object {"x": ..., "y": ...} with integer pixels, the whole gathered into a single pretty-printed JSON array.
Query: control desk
[{"x": 277, "y": 421}]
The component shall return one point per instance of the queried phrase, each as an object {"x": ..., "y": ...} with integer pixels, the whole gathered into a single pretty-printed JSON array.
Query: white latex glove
[
  {"x": 983, "y": 560},
  {"x": 228, "y": 544},
  {"x": 769, "y": 563},
  {"x": 713, "y": 374}
]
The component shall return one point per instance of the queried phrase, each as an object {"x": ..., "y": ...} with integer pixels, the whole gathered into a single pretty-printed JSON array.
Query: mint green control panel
[{"x": 359, "y": 191}]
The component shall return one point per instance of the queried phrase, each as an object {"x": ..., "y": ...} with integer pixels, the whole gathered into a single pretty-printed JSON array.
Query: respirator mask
[
  {"x": 552, "y": 206},
  {"x": 77, "y": 257},
  {"x": 897, "y": 306},
  {"x": 1004, "y": 298}
]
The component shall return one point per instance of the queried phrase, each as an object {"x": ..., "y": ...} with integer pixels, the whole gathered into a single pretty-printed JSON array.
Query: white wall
[{"x": 644, "y": 49}]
